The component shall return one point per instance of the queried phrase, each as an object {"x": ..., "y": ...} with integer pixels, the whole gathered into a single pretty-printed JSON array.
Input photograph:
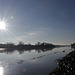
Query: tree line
[
  {"x": 22, "y": 45},
  {"x": 73, "y": 45}
]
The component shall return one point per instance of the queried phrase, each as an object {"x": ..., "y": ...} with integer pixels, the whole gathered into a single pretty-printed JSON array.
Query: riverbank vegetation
[
  {"x": 28, "y": 46},
  {"x": 66, "y": 65},
  {"x": 21, "y": 47}
]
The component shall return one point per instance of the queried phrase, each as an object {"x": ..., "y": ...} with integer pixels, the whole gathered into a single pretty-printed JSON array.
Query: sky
[{"x": 32, "y": 21}]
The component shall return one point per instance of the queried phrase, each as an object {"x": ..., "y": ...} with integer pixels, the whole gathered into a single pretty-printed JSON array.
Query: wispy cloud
[
  {"x": 32, "y": 33},
  {"x": 21, "y": 37},
  {"x": 27, "y": 36}
]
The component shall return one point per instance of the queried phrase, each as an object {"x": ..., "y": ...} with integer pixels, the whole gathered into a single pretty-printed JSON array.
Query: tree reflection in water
[
  {"x": 21, "y": 51},
  {"x": 21, "y": 47}
]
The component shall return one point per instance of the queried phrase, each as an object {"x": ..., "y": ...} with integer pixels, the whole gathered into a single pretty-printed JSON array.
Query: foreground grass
[{"x": 66, "y": 65}]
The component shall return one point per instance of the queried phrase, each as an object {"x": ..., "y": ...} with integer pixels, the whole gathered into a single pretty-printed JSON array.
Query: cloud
[
  {"x": 21, "y": 37},
  {"x": 30, "y": 34},
  {"x": 27, "y": 36}
]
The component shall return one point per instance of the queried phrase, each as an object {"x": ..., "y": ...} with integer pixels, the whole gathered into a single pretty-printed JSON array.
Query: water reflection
[
  {"x": 20, "y": 62},
  {"x": 29, "y": 62},
  {"x": 1, "y": 71},
  {"x": 21, "y": 51}
]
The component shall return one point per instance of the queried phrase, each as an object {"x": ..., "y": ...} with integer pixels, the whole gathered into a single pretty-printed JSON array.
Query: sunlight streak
[
  {"x": 1, "y": 70},
  {"x": 2, "y": 25}
]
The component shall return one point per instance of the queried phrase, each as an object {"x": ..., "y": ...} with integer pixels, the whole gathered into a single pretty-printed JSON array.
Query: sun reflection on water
[{"x": 1, "y": 70}]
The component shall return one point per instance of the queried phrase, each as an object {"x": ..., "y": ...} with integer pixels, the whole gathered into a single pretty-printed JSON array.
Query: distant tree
[
  {"x": 10, "y": 45},
  {"x": 29, "y": 43},
  {"x": 38, "y": 43},
  {"x": 73, "y": 45},
  {"x": 21, "y": 43}
]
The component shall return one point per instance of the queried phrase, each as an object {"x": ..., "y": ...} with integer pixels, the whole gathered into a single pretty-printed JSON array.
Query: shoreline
[{"x": 66, "y": 65}]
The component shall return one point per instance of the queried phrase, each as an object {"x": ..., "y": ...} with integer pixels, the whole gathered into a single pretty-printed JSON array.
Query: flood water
[{"x": 31, "y": 62}]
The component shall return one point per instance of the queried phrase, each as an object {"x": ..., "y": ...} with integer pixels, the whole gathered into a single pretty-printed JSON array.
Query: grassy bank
[{"x": 66, "y": 65}]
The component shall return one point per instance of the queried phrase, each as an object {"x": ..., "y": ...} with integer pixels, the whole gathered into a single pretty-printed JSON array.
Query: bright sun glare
[
  {"x": 1, "y": 70},
  {"x": 2, "y": 25}
]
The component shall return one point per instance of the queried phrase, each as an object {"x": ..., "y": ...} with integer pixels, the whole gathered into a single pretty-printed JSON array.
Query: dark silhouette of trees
[
  {"x": 73, "y": 45},
  {"x": 21, "y": 47}
]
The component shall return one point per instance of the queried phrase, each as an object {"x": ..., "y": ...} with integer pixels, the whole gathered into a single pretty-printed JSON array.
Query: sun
[{"x": 2, "y": 25}]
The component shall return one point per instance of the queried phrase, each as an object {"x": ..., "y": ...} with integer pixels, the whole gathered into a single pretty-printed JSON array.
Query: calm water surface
[{"x": 34, "y": 62}]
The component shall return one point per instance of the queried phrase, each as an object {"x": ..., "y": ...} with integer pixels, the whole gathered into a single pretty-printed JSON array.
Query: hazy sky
[{"x": 31, "y": 21}]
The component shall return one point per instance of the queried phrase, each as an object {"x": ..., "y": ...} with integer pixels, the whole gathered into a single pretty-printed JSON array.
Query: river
[{"x": 30, "y": 62}]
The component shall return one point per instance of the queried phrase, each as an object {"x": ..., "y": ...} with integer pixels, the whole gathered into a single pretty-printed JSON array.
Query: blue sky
[{"x": 31, "y": 21}]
